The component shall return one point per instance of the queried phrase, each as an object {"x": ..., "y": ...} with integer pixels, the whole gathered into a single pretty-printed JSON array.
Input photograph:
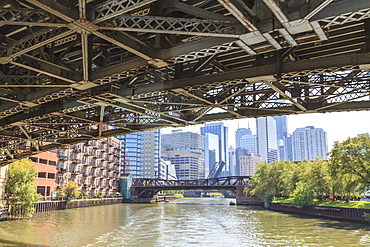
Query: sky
[{"x": 338, "y": 125}]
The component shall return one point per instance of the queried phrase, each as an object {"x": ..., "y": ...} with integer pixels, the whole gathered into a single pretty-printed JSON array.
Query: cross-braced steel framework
[
  {"x": 148, "y": 187},
  {"x": 69, "y": 68}
]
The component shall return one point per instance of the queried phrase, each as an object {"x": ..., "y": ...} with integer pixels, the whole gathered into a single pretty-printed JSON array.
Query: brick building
[{"x": 46, "y": 165}]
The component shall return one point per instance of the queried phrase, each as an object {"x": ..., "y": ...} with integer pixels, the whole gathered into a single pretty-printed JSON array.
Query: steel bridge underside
[{"x": 77, "y": 70}]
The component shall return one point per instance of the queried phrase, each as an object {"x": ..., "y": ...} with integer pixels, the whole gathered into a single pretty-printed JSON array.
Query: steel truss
[{"x": 69, "y": 68}]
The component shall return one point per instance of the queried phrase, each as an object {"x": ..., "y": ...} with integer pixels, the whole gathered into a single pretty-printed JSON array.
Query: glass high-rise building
[
  {"x": 283, "y": 138},
  {"x": 211, "y": 152},
  {"x": 238, "y": 153},
  {"x": 185, "y": 150},
  {"x": 309, "y": 143},
  {"x": 267, "y": 139},
  {"x": 222, "y": 132},
  {"x": 240, "y": 132},
  {"x": 140, "y": 154},
  {"x": 234, "y": 170},
  {"x": 249, "y": 142}
]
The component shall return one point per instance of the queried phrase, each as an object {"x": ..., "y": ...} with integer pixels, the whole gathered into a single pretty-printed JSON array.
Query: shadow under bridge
[{"x": 147, "y": 188}]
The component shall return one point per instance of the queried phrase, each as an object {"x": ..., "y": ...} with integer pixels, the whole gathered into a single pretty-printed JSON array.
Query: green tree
[
  {"x": 20, "y": 189},
  {"x": 267, "y": 180},
  {"x": 343, "y": 184},
  {"x": 352, "y": 156},
  {"x": 303, "y": 195},
  {"x": 314, "y": 174},
  {"x": 290, "y": 178},
  {"x": 70, "y": 190}
]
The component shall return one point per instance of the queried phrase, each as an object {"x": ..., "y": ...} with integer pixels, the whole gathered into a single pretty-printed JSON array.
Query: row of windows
[
  {"x": 184, "y": 148},
  {"x": 43, "y": 190},
  {"x": 43, "y": 161},
  {"x": 46, "y": 175}
]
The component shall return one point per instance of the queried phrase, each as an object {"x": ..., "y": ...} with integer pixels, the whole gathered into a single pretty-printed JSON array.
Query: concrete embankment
[
  {"x": 58, "y": 205},
  {"x": 249, "y": 201},
  {"x": 44, "y": 206},
  {"x": 348, "y": 214}
]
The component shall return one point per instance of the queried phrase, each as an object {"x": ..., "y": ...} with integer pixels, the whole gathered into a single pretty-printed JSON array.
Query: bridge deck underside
[{"x": 76, "y": 70}]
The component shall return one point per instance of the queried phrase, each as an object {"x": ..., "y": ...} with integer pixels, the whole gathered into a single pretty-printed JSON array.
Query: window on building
[
  {"x": 48, "y": 191},
  {"x": 43, "y": 161},
  {"x": 42, "y": 175},
  {"x": 51, "y": 175},
  {"x": 41, "y": 190},
  {"x": 34, "y": 159},
  {"x": 52, "y": 163}
]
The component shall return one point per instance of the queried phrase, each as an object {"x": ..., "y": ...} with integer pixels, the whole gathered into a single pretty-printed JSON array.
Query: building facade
[
  {"x": 46, "y": 166},
  {"x": 234, "y": 171},
  {"x": 170, "y": 173},
  {"x": 185, "y": 150},
  {"x": 140, "y": 154},
  {"x": 238, "y": 153},
  {"x": 249, "y": 142},
  {"x": 211, "y": 152},
  {"x": 248, "y": 164},
  {"x": 309, "y": 143},
  {"x": 93, "y": 165},
  {"x": 266, "y": 139},
  {"x": 240, "y": 132},
  {"x": 222, "y": 132}
]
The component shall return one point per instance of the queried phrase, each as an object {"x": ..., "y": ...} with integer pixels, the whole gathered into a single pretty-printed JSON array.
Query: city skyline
[{"x": 338, "y": 125}]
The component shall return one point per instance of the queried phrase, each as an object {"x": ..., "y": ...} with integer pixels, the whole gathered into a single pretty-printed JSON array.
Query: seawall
[{"x": 347, "y": 214}]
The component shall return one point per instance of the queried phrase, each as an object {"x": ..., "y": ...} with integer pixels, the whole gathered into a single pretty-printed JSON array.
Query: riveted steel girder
[{"x": 68, "y": 68}]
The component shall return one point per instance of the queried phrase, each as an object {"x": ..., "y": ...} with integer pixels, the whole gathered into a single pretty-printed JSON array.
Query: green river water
[{"x": 185, "y": 222}]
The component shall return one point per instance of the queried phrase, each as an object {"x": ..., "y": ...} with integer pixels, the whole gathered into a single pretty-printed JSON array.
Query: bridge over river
[
  {"x": 73, "y": 71},
  {"x": 147, "y": 188}
]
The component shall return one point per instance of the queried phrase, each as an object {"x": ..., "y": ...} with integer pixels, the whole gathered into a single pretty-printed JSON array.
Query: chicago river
[{"x": 185, "y": 222}]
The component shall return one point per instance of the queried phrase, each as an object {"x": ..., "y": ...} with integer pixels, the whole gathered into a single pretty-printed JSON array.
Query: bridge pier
[
  {"x": 243, "y": 199},
  {"x": 144, "y": 196}
]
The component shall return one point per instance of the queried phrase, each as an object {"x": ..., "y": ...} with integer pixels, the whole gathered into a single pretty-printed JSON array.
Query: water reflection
[{"x": 188, "y": 222}]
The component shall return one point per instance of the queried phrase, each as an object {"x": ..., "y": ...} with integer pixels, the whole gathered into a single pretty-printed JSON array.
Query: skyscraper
[
  {"x": 234, "y": 171},
  {"x": 289, "y": 148},
  {"x": 309, "y": 143},
  {"x": 281, "y": 127},
  {"x": 266, "y": 138},
  {"x": 186, "y": 151},
  {"x": 249, "y": 142},
  {"x": 140, "y": 154},
  {"x": 238, "y": 153},
  {"x": 283, "y": 138},
  {"x": 240, "y": 132},
  {"x": 211, "y": 152},
  {"x": 222, "y": 132}
]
